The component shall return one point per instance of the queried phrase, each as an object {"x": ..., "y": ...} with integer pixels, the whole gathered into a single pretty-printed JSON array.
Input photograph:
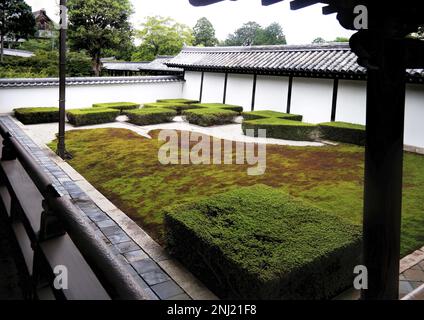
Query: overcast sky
[{"x": 300, "y": 27}]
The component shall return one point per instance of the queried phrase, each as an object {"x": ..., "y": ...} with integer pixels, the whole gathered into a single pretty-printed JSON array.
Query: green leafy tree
[
  {"x": 319, "y": 40},
  {"x": 244, "y": 36},
  {"x": 341, "y": 39},
  {"x": 271, "y": 35},
  {"x": 16, "y": 22},
  {"x": 99, "y": 25},
  {"x": 204, "y": 33},
  {"x": 251, "y": 33},
  {"x": 161, "y": 36}
]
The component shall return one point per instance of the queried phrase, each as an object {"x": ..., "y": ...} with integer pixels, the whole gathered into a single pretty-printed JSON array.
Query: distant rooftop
[
  {"x": 18, "y": 53},
  {"x": 315, "y": 60},
  {"x": 157, "y": 65}
]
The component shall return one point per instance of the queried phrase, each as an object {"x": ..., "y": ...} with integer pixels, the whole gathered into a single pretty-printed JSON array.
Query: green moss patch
[
  {"x": 210, "y": 117},
  {"x": 255, "y": 115},
  {"x": 184, "y": 101},
  {"x": 222, "y": 106},
  {"x": 282, "y": 129},
  {"x": 121, "y": 106},
  {"x": 37, "y": 115},
  {"x": 343, "y": 132},
  {"x": 91, "y": 116},
  {"x": 148, "y": 116},
  {"x": 124, "y": 167},
  {"x": 260, "y": 243}
]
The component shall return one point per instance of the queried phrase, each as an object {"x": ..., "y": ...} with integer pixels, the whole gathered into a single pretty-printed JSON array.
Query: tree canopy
[
  {"x": 16, "y": 21},
  {"x": 252, "y": 33},
  {"x": 161, "y": 36},
  {"x": 99, "y": 25},
  {"x": 204, "y": 33}
]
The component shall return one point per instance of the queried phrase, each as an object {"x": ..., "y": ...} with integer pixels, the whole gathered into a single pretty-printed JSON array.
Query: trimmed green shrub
[
  {"x": 121, "y": 106},
  {"x": 147, "y": 116},
  {"x": 255, "y": 115},
  {"x": 184, "y": 101},
  {"x": 222, "y": 106},
  {"x": 90, "y": 116},
  {"x": 343, "y": 132},
  {"x": 210, "y": 117},
  {"x": 179, "y": 107},
  {"x": 283, "y": 129},
  {"x": 259, "y": 243},
  {"x": 37, "y": 115}
]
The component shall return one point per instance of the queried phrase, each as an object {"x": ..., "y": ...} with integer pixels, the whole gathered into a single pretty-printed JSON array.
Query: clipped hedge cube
[
  {"x": 91, "y": 116},
  {"x": 148, "y": 116},
  {"x": 37, "y": 115},
  {"x": 179, "y": 107},
  {"x": 238, "y": 109},
  {"x": 259, "y": 243},
  {"x": 255, "y": 115},
  {"x": 210, "y": 117},
  {"x": 121, "y": 106},
  {"x": 282, "y": 129},
  {"x": 183, "y": 101},
  {"x": 343, "y": 132}
]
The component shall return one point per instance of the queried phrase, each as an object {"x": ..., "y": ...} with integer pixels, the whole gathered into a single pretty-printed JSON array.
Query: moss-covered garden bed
[
  {"x": 121, "y": 106},
  {"x": 208, "y": 117},
  {"x": 255, "y": 115},
  {"x": 37, "y": 115},
  {"x": 343, "y": 132},
  {"x": 149, "y": 116},
  {"x": 282, "y": 129},
  {"x": 91, "y": 116},
  {"x": 260, "y": 243}
]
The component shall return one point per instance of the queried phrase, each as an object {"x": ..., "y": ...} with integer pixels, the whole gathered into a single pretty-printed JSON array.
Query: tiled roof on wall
[
  {"x": 317, "y": 60},
  {"x": 54, "y": 82}
]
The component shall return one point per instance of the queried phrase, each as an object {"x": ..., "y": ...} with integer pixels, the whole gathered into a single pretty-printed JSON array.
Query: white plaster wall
[
  {"x": 191, "y": 89},
  {"x": 271, "y": 93},
  {"x": 239, "y": 90},
  {"x": 352, "y": 101},
  {"x": 312, "y": 98},
  {"x": 414, "y": 115},
  {"x": 213, "y": 87},
  {"x": 85, "y": 95}
]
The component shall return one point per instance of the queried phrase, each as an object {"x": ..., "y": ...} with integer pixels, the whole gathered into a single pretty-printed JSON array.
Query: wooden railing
[{"x": 64, "y": 257}]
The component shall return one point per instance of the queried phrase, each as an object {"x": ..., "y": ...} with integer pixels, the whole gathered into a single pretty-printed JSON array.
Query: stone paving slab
[{"x": 139, "y": 253}]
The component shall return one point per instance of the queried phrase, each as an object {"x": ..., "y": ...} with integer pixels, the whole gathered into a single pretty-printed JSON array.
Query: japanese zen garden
[{"x": 183, "y": 167}]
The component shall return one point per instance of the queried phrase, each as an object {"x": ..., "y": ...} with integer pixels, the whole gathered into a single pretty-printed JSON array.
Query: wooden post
[
  {"x": 383, "y": 170},
  {"x": 224, "y": 99},
  {"x": 289, "y": 94},
  {"x": 255, "y": 78},
  {"x": 334, "y": 104},
  {"x": 61, "y": 149},
  {"x": 201, "y": 86}
]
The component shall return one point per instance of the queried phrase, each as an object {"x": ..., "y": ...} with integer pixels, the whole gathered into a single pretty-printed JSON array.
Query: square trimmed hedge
[
  {"x": 238, "y": 109},
  {"x": 37, "y": 115},
  {"x": 91, "y": 116},
  {"x": 259, "y": 243},
  {"x": 148, "y": 116},
  {"x": 183, "y": 101},
  {"x": 121, "y": 106},
  {"x": 209, "y": 117},
  {"x": 343, "y": 132},
  {"x": 283, "y": 129},
  {"x": 179, "y": 107},
  {"x": 255, "y": 115}
]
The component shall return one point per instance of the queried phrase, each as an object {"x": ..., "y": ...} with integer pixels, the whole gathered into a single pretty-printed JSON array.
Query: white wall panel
[
  {"x": 191, "y": 89},
  {"x": 352, "y": 101},
  {"x": 312, "y": 98},
  {"x": 213, "y": 87},
  {"x": 239, "y": 90},
  {"x": 85, "y": 95},
  {"x": 271, "y": 93},
  {"x": 414, "y": 115}
]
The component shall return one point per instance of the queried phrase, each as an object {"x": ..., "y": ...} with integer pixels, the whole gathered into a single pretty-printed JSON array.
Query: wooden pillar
[
  {"x": 289, "y": 94},
  {"x": 255, "y": 78},
  {"x": 224, "y": 99},
  {"x": 334, "y": 104},
  {"x": 201, "y": 86},
  {"x": 383, "y": 169}
]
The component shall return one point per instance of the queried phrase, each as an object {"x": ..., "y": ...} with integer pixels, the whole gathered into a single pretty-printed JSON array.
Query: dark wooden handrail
[{"x": 61, "y": 217}]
